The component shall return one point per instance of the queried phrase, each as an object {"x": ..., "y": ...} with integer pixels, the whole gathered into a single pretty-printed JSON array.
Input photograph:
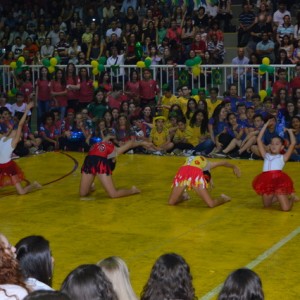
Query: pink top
[
  {"x": 71, "y": 94},
  {"x": 86, "y": 92},
  {"x": 26, "y": 89},
  {"x": 43, "y": 90},
  {"x": 57, "y": 87}
]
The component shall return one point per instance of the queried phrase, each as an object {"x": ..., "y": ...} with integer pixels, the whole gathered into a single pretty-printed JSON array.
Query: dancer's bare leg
[
  {"x": 86, "y": 184},
  {"x": 24, "y": 190},
  {"x": 176, "y": 195},
  {"x": 109, "y": 187},
  {"x": 204, "y": 194}
]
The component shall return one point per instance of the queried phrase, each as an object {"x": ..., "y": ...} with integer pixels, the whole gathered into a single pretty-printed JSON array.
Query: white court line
[{"x": 257, "y": 260}]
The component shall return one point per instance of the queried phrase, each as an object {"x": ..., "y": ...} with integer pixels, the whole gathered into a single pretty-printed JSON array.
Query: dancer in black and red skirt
[
  {"x": 10, "y": 172},
  {"x": 100, "y": 162},
  {"x": 273, "y": 184}
]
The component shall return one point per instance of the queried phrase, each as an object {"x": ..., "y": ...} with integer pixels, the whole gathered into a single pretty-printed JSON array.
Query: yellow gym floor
[{"x": 142, "y": 227}]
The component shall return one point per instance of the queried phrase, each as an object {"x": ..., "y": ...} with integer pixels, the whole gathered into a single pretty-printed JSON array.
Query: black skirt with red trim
[
  {"x": 10, "y": 174},
  {"x": 94, "y": 164}
]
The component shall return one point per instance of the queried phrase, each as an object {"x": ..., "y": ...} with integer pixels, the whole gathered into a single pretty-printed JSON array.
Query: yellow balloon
[
  {"x": 10, "y": 94},
  {"x": 261, "y": 72},
  {"x": 21, "y": 59},
  {"x": 266, "y": 60},
  {"x": 140, "y": 64},
  {"x": 13, "y": 64},
  {"x": 53, "y": 61},
  {"x": 196, "y": 71},
  {"x": 95, "y": 84},
  {"x": 51, "y": 69},
  {"x": 262, "y": 94},
  {"x": 94, "y": 64},
  {"x": 95, "y": 71}
]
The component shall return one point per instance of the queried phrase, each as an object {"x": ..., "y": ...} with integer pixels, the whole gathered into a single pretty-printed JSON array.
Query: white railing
[{"x": 171, "y": 74}]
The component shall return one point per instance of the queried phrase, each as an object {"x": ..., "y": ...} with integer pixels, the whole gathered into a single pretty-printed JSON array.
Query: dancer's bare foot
[
  {"x": 93, "y": 188},
  {"x": 294, "y": 198},
  {"x": 185, "y": 196},
  {"x": 135, "y": 190},
  {"x": 36, "y": 185},
  {"x": 225, "y": 198}
]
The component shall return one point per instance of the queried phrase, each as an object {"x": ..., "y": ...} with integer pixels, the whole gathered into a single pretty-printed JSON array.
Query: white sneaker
[
  {"x": 188, "y": 153},
  {"x": 14, "y": 156},
  {"x": 157, "y": 153}
]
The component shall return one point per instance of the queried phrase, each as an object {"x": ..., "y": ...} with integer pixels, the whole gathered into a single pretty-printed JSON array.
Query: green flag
[{"x": 217, "y": 76}]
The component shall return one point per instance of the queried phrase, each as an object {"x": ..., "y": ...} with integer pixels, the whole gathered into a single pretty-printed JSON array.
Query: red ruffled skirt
[
  {"x": 10, "y": 174},
  {"x": 189, "y": 177},
  {"x": 94, "y": 164},
  {"x": 273, "y": 182}
]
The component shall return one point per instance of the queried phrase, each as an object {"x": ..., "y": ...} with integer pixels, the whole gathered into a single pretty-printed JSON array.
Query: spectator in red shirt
[
  {"x": 174, "y": 32},
  {"x": 281, "y": 83},
  {"x": 198, "y": 45},
  {"x": 148, "y": 89},
  {"x": 295, "y": 82}
]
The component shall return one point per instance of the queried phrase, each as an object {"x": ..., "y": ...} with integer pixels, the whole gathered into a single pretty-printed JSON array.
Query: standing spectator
[
  {"x": 43, "y": 93},
  {"x": 73, "y": 85},
  {"x": 114, "y": 61},
  {"x": 58, "y": 90},
  {"x": 86, "y": 91},
  {"x": 148, "y": 90},
  {"x": 246, "y": 22}
]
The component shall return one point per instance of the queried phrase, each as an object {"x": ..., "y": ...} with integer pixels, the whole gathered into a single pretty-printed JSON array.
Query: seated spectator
[
  {"x": 242, "y": 284},
  {"x": 170, "y": 278},
  {"x": 265, "y": 48},
  {"x": 36, "y": 262},
  {"x": 216, "y": 48},
  {"x": 282, "y": 58},
  {"x": 280, "y": 13},
  {"x": 49, "y": 133},
  {"x": 198, "y": 45},
  {"x": 287, "y": 45},
  {"x": 12, "y": 283},
  {"x": 88, "y": 282},
  {"x": 117, "y": 273},
  {"x": 174, "y": 32},
  {"x": 62, "y": 48},
  {"x": 47, "y": 49}
]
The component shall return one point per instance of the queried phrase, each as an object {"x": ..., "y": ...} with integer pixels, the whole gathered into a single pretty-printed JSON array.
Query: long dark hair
[
  {"x": 242, "y": 284},
  {"x": 88, "y": 282},
  {"x": 34, "y": 255},
  {"x": 204, "y": 123},
  {"x": 170, "y": 278}
]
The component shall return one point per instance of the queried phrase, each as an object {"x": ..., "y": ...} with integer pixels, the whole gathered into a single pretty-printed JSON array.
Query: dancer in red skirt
[
  {"x": 273, "y": 184},
  {"x": 100, "y": 162},
  {"x": 195, "y": 174},
  {"x": 10, "y": 172}
]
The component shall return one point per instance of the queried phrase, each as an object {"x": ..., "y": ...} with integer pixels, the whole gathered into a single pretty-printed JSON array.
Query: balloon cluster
[
  {"x": 195, "y": 65},
  {"x": 12, "y": 92},
  {"x": 265, "y": 66},
  {"x": 144, "y": 64},
  {"x": 17, "y": 65},
  {"x": 98, "y": 65},
  {"x": 51, "y": 63}
]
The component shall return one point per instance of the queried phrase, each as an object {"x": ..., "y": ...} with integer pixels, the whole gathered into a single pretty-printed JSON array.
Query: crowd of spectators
[
  {"x": 27, "y": 269},
  {"x": 74, "y": 110}
]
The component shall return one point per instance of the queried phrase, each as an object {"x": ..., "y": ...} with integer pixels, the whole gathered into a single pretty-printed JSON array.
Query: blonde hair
[{"x": 117, "y": 272}]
